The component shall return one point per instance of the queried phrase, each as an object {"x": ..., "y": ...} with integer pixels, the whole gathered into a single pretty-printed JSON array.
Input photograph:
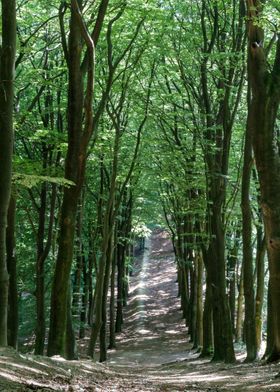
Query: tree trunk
[
  {"x": 207, "y": 348},
  {"x": 249, "y": 323},
  {"x": 112, "y": 342},
  {"x": 223, "y": 343},
  {"x": 79, "y": 110},
  {"x": 269, "y": 327},
  {"x": 40, "y": 276},
  {"x": 262, "y": 114},
  {"x": 7, "y": 67},
  {"x": 70, "y": 342},
  {"x": 103, "y": 340},
  {"x": 239, "y": 315},
  {"x": 261, "y": 248},
  {"x": 199, "y": 307},
  {"x": 232, "y": 278},
  {"x": 74, "y": 171},
  {"x": 85, "y": 299},
  {"x": 120, "y": 281},
  {"x": 12, "y": 270}
]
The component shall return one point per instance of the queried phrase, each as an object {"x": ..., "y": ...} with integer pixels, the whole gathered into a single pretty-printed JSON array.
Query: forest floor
[{"x": 153, "y": 353}]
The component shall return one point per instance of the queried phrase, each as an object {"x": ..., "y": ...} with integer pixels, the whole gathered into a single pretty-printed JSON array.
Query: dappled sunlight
[
  {"x": 25, "y": 367},
  {"x": 9, "y": 376}
]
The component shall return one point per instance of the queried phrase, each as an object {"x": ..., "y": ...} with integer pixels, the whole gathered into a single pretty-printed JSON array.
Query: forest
[{"x": 139, "y": 195}]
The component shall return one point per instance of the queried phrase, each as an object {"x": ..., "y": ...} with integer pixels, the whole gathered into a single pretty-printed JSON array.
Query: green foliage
[{"x": 30, "y": 181}]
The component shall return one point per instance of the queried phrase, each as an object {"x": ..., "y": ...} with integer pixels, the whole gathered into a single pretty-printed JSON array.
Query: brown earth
[{"x": 153, "y": 353}]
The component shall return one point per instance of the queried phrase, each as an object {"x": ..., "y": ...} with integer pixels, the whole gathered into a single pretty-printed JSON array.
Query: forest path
[
  {"x": 152, "y": 351},
  {"x": 153, "y": 331}
]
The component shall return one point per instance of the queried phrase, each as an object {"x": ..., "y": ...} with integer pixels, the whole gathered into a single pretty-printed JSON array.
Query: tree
[
  {"x": 7, "y": 65},
  {"x": 264, "y": 76},
  {"x": 80, "y": 132}
]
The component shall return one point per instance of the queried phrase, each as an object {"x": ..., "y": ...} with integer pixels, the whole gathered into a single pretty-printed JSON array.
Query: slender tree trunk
[
  {"x": 269, "y": 327},
  {"x": 193, "y": 302},
  {"x": 40, "y": 276},
  {"x": 120, "y": 280},
  {"x": 103, "y": 340},
  {"x": 207, "y": 348},
  {"x": 107, "y": 233},
  {"x": 261, "y": 248},
  {"x": 112, "y": 342},
  {"x": 70, "y": 343},
  {"x": 249, "y": 323},
  {"x": 199, "y": 306},
  {"x": 91, "y": 256},
  {"x": 7, "y": 67},
  {"x": 232, "y": 278},
  {"x": 85, "y": 300},
  {"x": 239, "y": 315},
  {"x": 208, "y": 345},
  {"x": 12, "y": 270}
]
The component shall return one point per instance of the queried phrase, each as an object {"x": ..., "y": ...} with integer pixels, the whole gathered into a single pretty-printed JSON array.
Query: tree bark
[
  {"x": 249, "y": 323},
  {"x": 261, "y": 249},
  {"x": 262, "y": 114},
  {"x": 239, "y": 315},
  {"x": 7, "y": 67},
  {"x": 112, "y": 339},
  {"x": 12, "y": 270}
]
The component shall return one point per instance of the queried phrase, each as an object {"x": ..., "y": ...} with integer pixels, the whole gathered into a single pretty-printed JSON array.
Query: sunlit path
[{"x": 154, "y": 332}]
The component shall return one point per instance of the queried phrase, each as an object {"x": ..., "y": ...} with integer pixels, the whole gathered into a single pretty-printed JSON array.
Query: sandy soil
[{"x": 153, "y": 353}]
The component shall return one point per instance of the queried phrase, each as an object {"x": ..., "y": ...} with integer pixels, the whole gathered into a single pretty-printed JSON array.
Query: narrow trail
[{"x": 154, "y": 332}]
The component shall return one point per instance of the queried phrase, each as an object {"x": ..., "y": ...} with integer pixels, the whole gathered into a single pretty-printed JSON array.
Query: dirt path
[
  {"x": 154, "y": 332},
  {"x": 152, "y": 351}
]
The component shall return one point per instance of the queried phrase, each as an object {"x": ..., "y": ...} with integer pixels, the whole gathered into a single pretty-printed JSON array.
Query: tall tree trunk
[
  {"x": 223, "y": 343},
  {"x": 193, "y": 303},
  {"x": 112, "y": 341},
  {"x": 269, "y": 327},
  {"x": 262, "y": 114},
  {"x": 199, "y": 307},
  {"x": 261, "y": 248},
  {"x": 74, "y": 171},
  {"x": 207, "y": 348},
  {"x": 103, "y": 340},
  {"x": 70, "y": 342},
  {"x": 7, "y": 68},
  {"x": 249, "y": 323},
  {"x": 40, "y": 276},
  {"x": 120, "y": 283},
  {"x": 107, "y": 233},
  {"x": 12, "y": 270},
  {"x": 79, "y": 108},
  {"x": 85, "y": 299},
  {"x": 239, "y": 313},
  {"x": 232, "y": 278}
]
